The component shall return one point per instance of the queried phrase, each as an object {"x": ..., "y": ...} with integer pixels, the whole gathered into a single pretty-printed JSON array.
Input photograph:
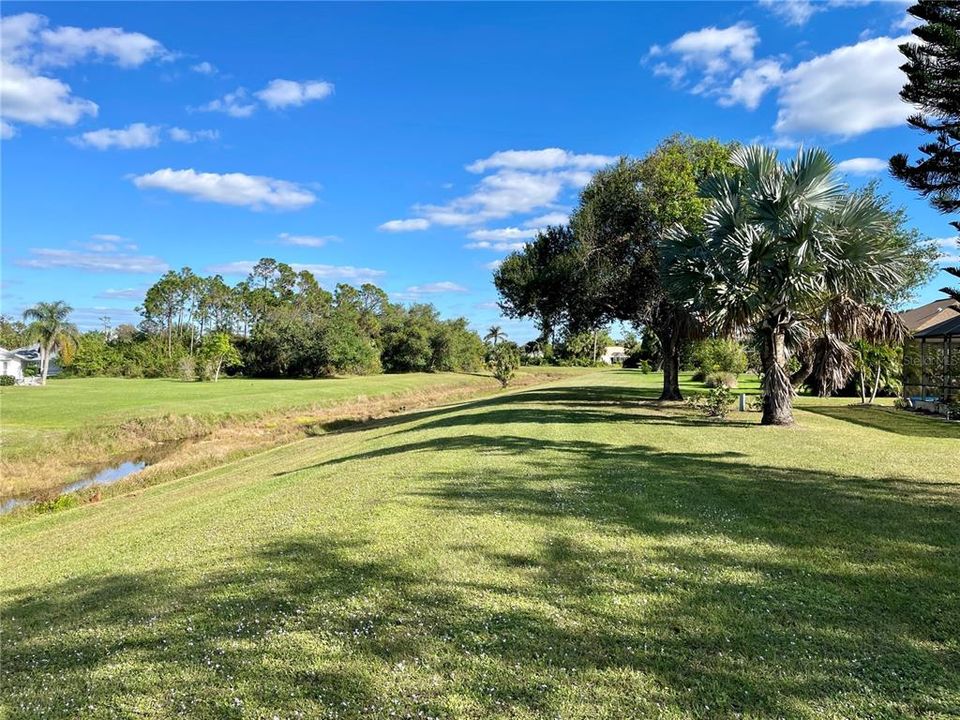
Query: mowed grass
[
  {"x": 32, "y": 414},
  {"x": 573, "y": 550}
]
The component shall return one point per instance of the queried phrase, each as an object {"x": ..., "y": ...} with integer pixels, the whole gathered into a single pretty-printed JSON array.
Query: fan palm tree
[
  {"x": 495, "y": 334},
  {"x": 785, "y": 246},
  {"x": 48, "y": 325}
]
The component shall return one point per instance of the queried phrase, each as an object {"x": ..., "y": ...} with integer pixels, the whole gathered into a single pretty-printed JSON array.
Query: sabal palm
[
  {"x": 48, "y": 325},
  {"x": 782, "y": 243},
  {"x": 495, "y": 334}
]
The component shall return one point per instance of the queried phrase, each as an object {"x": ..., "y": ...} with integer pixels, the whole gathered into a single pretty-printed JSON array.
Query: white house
[
  {"x": 12, "y": 362},
  {"x": 614, "y": 354}
]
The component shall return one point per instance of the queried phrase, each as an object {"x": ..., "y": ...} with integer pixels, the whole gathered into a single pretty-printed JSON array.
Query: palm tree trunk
[
  {"x": 876, "y": 385},
  {"x": 44, "y": 363},
  {"x": 777, "y": 390}
]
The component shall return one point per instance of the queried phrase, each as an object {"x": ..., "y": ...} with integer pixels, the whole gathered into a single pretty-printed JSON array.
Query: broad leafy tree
[
  {"x": 780, "y": 243},
  {"x": 48, "y": 324}
]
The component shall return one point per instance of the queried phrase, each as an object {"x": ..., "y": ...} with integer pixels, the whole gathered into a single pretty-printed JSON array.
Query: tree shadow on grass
[
  {"x": 889, "y": 420},
  {"x": 652, "y": 584}
]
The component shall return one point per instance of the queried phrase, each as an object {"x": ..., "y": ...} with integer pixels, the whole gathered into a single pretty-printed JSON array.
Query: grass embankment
[
  {"x": 567, "y": 551},
  {"x": 54, "y": 434}
]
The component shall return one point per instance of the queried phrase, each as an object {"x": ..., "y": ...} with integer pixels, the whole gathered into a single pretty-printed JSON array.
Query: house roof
[
  {"x": 948, "y": 326},
  {"x": 932, "y": 313}
]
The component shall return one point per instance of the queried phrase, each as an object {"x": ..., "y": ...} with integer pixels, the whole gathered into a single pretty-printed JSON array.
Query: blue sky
[{"x": 409, "y": 145}]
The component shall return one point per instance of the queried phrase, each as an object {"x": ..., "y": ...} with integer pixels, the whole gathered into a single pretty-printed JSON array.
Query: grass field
[
  {"x": 573, "y": 550},
  {"x": 54, "y": 433}
]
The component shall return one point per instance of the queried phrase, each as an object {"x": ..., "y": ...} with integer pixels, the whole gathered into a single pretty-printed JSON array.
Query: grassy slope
[
  {"x": 53, "y": 435},
  {"x": 566, "y": 551}
]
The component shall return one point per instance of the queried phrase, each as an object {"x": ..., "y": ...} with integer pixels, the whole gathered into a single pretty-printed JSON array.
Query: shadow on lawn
[
  {"x": 889, "y": 420},
  {"x": 651, "y": 584}
]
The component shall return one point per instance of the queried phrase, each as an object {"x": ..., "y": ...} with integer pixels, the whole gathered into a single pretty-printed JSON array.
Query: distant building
[
  {"x": 13, "y": 362},
  {"x": 930, "y": 314},
  {"x": 614, "y": 354}
]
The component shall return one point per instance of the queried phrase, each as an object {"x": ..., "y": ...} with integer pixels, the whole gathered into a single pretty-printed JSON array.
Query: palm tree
[
  {"x": 495, "y": 334},
  {"x": 49, "y": 326},
  {"x": 783, "y": 246}
]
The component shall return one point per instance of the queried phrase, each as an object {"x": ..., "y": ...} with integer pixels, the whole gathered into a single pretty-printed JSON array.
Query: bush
[
  {"x": 504, "y": 360},
  {"x": 7, "y": 380},
  {"x": 720, "y": 379},
  {"x": 715, "y": 404},
  {"x": 187, "y": 369},
  {"x": 718, "y": 356}
]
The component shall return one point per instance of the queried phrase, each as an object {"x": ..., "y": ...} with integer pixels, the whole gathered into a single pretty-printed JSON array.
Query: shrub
[
  {"x": 187, "y": 369},
  {"x": 715, "y": 404},
  {"x": 504, "y": 360},
  {"x": 720, "y": 379},
  {"x": 718, "y": 356},
  {"x": 7, "y": 380}
]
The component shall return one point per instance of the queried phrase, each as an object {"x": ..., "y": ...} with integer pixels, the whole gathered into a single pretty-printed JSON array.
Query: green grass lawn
[{"x": 570, "y": 551}]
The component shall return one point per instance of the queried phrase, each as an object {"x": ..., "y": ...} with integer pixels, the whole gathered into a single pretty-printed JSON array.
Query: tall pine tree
[{"x": 933, "y": 85}]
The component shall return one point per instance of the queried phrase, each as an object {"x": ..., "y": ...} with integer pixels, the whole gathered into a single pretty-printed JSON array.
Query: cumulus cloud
[
  {"x": 517, "y": 182},
  {"x": 120, "y": 294},
  {"x": 434, "y": 288},
  {"x": 405, "y": 225},
  {"x": 278, "y": 94},
  {"x": 847, "y": 92},
  {"x": 253, "y": 191},
  {"x": 204, "y": 68},
  {"x": 49, "y": 258},
  {"x": 38, "y": 100},
  {"x": 306, "y": 240},
  {"x": 290, "y": 93},
  {"x": 863, "y": 166},
  {"x": 30, "y": 49},
  {"x": 321, "y": 272},
  {"x": 546, "y": 159},
  {"x": 180, "y": 135},
  {"x": 498, "y": 245},
  {"x": 494, "y": 265},
  {"x": 235, "y": 104},
  {"x": 799, "y": 12},
  {"x": 949, "y": 248},
  {"x": 137, "y": 135}
]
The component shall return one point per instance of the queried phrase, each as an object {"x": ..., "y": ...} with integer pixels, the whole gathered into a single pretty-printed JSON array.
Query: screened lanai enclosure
[{"x": 931, "y": 368}]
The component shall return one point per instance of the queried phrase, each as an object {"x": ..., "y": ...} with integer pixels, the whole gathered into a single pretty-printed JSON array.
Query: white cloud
[
  {"x": 949, "y": 248},
  {"x": 108, "y": 237},
  {"x": 847, "y": 92},
  {"x": 38, "y": 100},
  {"x": 751, "y": 85},
  {"x": 120, "y": 294},
  {"x": 235, "y": 104},
  {"x": 862, "y": 166},
  {"x": 28, "y": 40},
  {"x": 204, "y": 68},
  {"x": 178, "y": 134},
  {"x": 7, "y": 130},
  {"x": 798, "y": 12},
  {"x": 70, "y": 45},
  {"x": 494, "y": 265},
  {"x": 405, "y": 225},
  {"x": 415, "y": 293},
  {"x": 137, "y": 135},
  {"x": 306, "y": 240},
  {"x": 286, "y": 93},
  {"x": 28, "y": 45},
  {"x": 554, "y": 218},
  {"x": 47, "y": 258},
  {"x": 508, "y": 238},
  {"x": 254, "y": 191},
  {"x": 519, "y": 182},
  {"x": 499, "y": 246},
  {"x": 322, "y": 272},
  {"x": 546, "y": 159}
]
